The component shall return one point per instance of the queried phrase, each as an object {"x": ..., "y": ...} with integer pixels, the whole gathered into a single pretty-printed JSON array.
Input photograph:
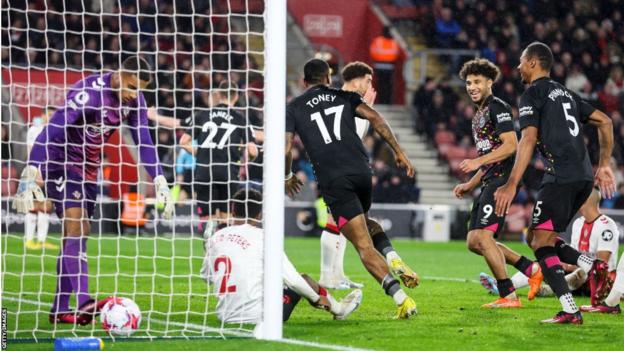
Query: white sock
[
  {"x": 341, "y": 247},
  {"x": 519, "y": 280},
  {"x": 618, "y": 286},
  {"x": 392, "y": 255},
  {"x": 399, "y": 296},
  {"x": 334, "y": 307},
  {"x": 568, "y": 304},
  {"x": 585, "y": 262},
  {"x": 329, "y": 250},
  {"x": 30, "y": 224},
  {"x": 43, "y": 223}
]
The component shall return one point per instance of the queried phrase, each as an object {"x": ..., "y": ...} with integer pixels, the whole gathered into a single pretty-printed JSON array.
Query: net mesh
[{"x": 192, "y": 46}]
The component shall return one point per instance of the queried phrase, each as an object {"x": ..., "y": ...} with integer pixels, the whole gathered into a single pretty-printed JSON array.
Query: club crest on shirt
[
  {"x": 126, "y": 111},
  {"x": 97, "y": 129},
  {"x": 77, "y": 194},
  {"x": 607, "y": 235}
]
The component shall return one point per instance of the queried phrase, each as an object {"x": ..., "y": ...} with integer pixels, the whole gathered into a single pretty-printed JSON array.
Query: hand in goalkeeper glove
[
  {"x": 163, "y": 195},
  {"x": 27, "y": 191}
]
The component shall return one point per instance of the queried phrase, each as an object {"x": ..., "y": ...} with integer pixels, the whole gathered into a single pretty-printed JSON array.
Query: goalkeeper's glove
[
  {"x": 27, "y": 190},
  {"x": 163, "y": 196}
]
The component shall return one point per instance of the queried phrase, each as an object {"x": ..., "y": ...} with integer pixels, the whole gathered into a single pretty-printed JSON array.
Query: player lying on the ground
[
  {"x": 342, "y": 169},
  {"x": 233, "y": 259},
  {"x": 223, "y": 136},
  {"x": 358, "y": 78},
  {"x": 611, "y": 303},
  {"x": 39, "y": 218},
  {"x": 593, "y": 234},
  {"x": 68, "y": 154},
  {"x": 495, "y": 138},
  {"x": 551, "y": 114}
]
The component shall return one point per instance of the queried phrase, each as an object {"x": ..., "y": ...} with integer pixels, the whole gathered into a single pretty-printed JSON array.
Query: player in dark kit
[
  {"x": 324, "y": 118},
  {"x": 550, "y": 117},
  {"x": 223, "y": 136},
  {"x": 495, "y": 137},
  {"x": 68, "y": 153}
]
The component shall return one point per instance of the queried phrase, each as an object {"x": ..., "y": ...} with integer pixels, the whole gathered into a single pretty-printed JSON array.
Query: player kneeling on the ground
[{"x": 233, "y": 256}]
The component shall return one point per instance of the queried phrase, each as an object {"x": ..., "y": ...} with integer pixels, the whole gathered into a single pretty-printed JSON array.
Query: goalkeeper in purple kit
[{"x": 68, "y": 153}]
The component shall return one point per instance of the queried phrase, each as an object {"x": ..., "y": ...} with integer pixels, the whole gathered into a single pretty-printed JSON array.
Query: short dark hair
[
  {"x": 542, "y": 53},
  {"x": 247, "y": 203},
  {"x": 49, "y": 108},
  {"x": 315, "y": 70},
  {"x": 228, "y": 88},
  {"x": 137, "y": 66},
  {"x": 481, "y": 67},
  {"x": 355, "y": 70}
]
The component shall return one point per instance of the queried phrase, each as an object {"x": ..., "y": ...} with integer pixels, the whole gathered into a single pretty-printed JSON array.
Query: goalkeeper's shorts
[
  {"x": 348, "y": 196},
  {"x": 67, "y": 189}
]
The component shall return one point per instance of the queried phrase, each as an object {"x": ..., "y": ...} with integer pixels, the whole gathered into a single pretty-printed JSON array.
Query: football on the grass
[{"x": 120, "y": 316}]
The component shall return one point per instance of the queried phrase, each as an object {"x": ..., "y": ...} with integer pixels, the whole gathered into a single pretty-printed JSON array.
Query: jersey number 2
[
  {"x": 224, "y": 288},
  {"x": 575, "y": 129},
  {"x": 316, "y": 117},
  {"x": 214, "y": 128}
]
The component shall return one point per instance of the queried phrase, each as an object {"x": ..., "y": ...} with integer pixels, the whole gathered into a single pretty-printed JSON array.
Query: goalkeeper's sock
[
  {"x": 339, "y": 259},
  {"x": 43, "y": 223},
  {"x": 30, "y": 223},
  {"x": 76, "y": 265},
  {"x": 63, "y": 287},
  {"x": 329, "y": 253}
]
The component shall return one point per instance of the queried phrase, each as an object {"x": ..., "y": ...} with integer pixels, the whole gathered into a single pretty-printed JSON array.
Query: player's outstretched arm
[
  {"x": 293, "y": 184},
  {"x": 604, "y": 178},
  {"x": 162, "y": 121},
  {"x": 506, "y": 193},
  {"x": 507, "y": 148},
  {"x": 383, "y": 129}
]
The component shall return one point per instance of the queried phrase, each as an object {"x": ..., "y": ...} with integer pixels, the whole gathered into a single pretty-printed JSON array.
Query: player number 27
[
  {"x": 213, "y": 128},
  {"x": 318, "y": 118},
  {"x": 575, "y": 128},
  {"x": 224, "y": 261}
]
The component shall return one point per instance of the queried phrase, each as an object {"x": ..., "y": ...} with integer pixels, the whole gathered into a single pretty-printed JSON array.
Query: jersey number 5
[
  {"x": 575, "y": 129},
  {"x": 224, "y": 288},
  {"x": 316, "y": 117},
  {"x": 214, "y": 128}
]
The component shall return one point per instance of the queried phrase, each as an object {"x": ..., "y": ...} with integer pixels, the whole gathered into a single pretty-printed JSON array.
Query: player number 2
[
  {"x": 575, "y": 130},
  {"x": 318, "y": 118},
  {"x": 224, "y": 288},
  {"x": 213, "y": 128}
]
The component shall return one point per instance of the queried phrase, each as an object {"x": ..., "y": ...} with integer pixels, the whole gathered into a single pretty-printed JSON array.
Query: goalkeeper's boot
[
  {"x": 349, "y": 304},
  {"x": 408, "y": 276},
  {"x": 489, "y": 283},
  {"x": 32, "y": 245},
  {"x": 602, "y": 308},
  {"x": 565, "y": 318},
  {"x": 535, "y": 282},
  {"x": 503, "y": 302},
  {"x": 48, "y": 246},
  {"x": 91, "y": 309},
  {"x": 68, "y": 317},
  {"x": 406, "y": 309}
]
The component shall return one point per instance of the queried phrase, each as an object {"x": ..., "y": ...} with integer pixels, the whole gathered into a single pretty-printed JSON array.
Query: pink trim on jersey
[
  {"x": 492, "y": 227},
  {"x": 552, "y": 261},
  {"x": 341, "y": 222},
  {"x": 548, "y": 225}
]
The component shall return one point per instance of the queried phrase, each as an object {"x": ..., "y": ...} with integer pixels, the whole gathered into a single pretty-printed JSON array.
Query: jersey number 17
[{"x": 318, "y": 118}]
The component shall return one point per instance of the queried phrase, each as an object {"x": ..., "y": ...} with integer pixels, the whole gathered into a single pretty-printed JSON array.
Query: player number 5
[
  {"x": 575, "y": 130},
  {"x": 318, "y": 118}
]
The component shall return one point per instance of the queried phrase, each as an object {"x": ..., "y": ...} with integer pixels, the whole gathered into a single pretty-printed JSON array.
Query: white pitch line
[
  {"x": 215, "y": 330},
  {"x": 451, "y": 279}
]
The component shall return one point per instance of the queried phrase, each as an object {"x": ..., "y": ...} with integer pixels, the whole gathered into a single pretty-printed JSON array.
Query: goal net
[{"x": 132, "y": 251}]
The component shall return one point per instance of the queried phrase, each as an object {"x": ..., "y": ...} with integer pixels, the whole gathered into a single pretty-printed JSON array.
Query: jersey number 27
[
  {"x": 213, "y": 128},
  {"x": 318, "y": 118}
]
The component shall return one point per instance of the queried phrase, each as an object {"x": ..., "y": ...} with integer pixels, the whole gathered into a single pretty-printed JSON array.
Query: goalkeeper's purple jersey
[{"x": 74, "y": 137}]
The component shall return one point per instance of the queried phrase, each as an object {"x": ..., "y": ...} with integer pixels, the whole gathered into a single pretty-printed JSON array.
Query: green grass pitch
[{"x": 449, "y": 300}]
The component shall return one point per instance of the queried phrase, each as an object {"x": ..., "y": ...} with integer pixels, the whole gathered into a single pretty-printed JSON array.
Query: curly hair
[
  {"x": 480, "y": 66},
  {"x": 355, "y": 70}
]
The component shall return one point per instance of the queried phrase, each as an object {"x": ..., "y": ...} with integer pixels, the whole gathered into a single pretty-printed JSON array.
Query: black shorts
[
  {"x": 557, "y": 204},
  {"x": 348, "y": 197},
  {"x": 483, "y": 214},
  {"x": 290, "y": 301},
  {"x": 213, "y": 196}
]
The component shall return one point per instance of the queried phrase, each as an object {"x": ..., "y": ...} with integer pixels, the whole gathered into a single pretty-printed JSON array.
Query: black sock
[
  {"x": 505, "y": 287},
  {"x": 382, "y": 243},
  {"x": 525, "y": 266},
  {"x": 566, "y": 252},
  {"x": 390, "y": 285},
  {"x": 552, "y": 270}
]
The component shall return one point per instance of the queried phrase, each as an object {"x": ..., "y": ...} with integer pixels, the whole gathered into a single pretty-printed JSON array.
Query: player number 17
[{"x": 318, "y": 118}]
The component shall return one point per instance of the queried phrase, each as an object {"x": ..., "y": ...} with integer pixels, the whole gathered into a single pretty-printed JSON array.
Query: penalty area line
[{"x": 214, "y": 330}]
